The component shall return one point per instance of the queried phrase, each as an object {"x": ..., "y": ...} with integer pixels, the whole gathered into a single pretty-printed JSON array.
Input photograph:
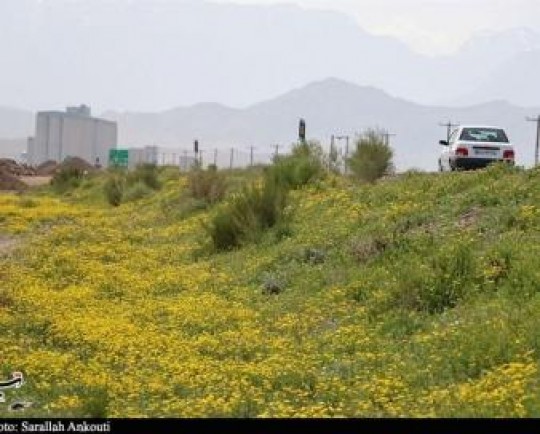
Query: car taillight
[
  {"x": 462, "y": 152},
  {"x": 509, "y": 155}
]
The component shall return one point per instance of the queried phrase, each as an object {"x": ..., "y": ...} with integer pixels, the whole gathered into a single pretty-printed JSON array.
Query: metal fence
[
  {"x": 225, "y": 158},
  {"x": 232, "y": 158}
]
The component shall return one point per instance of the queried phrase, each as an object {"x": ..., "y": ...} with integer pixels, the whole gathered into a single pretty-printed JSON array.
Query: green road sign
[{"x": 119, "y": 157}]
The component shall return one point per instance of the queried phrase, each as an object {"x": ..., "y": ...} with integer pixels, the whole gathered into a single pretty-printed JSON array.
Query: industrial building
[
  {"x": 148, "y": 154},
  {"x": 73, "y": 133}
]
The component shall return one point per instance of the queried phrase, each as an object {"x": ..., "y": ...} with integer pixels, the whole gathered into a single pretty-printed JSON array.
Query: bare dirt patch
[
  {"x": 36, "y": 181},
  {"x": 7, "y": 245},
  {"x": 469, "y": 219},
  {"x": 9, "y": 182}
]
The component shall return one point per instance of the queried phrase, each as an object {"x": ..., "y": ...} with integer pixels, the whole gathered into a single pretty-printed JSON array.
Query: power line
[{"x": 537, "y": 151}]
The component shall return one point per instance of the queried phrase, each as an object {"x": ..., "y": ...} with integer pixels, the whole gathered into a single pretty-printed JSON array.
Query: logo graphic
[{"x": 16, "y": 381}]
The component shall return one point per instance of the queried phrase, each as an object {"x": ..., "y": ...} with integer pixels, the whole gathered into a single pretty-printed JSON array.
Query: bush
[
  {"x": 114, "y": 189},
  {"x": 146, "y": 173},
  {"x": 434, "y": 289},
  {"x": 373, "y": 157},
  {"x": 96, "y": 403},
  {"x": 303, "y": 166},
  {"x": 67, "y": 178},
  {"x": 247, "y": 216},
  {"x": 259, "y": 208},
  {"x": 208, "y": 185},
  {"x": 137, "y": 191}
]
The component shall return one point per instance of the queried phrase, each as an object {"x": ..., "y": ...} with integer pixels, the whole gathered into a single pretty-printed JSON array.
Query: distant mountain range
[
  {"x": 330, "y": 106},
  {"x": 152, "y": 54}
]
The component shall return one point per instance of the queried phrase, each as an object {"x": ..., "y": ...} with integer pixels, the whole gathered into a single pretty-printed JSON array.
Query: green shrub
[
  {"x": 454, "y": 276},
  {"x": 303, "y": 166},
  {"x": 226, "y": 234},
  {"x": 259, "y": 208},
  {"x": 247, "y": 216},
  {"x": 27, "y": 202},
  {"x": 96, "y": 403},
  {"x": 136, "y": 192},
  {"x": 449, "y": 277},
  {"x": 66, "y": 179},
  {"x": 372, "y": 158},
  {"x": 146, "y": 173},
  {"x": 114, "y": 189},
  {"x": 5, "y": 299},
  {"x": 208, "y": 185},
  {"x": 169, "y": 173}
]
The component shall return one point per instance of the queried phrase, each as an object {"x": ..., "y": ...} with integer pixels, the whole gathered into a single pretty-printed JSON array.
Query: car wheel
[{"x": 441, "y": 168}]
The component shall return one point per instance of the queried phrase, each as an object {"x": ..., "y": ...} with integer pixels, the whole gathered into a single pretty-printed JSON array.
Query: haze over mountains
[
  {"x": 135, "y": 60},
  {"x": 330, "y": 106},
  {"x": 156, "y": 54}
]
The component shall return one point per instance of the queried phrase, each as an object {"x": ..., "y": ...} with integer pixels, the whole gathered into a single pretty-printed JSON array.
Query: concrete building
[
  {"x": 148, "y": 154},
  {"x": 73, "y": 133}
]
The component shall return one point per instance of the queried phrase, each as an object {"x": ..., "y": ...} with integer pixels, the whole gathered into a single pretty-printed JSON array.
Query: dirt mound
[
  {"x": 11, "y": 167},
  {"x": 77, "y": 164},
  {"x": 11, "y": 182},
  {"x": 47, "y": 168}
]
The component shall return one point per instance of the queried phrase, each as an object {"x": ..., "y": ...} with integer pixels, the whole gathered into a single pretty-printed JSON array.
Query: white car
[{"x": 475, "y": 147}]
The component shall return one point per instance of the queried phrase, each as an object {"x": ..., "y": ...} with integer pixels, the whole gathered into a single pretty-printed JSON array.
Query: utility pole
[
  {"x": 215, "y": 157},
  {"x": 251, "y": 148},
  {"x": 346, "y": 138},
  {"x": 332, "y": 155},
  {"x": 386, "y": 137},
  {"x": 537, "y": 151},
  {"x": 449, "y": 125},
  {"x": 232, "y": 158},
  {"x": 276, "y": 147}
]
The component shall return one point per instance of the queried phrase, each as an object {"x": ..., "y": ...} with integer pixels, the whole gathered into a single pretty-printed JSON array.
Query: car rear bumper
[{"x": 476, "y": 163}]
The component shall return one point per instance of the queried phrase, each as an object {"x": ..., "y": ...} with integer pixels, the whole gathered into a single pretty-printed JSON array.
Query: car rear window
[{"x": 494, "y": 135}]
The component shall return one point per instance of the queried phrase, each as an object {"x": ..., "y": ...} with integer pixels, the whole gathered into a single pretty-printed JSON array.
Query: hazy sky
[
  {"x": 429, "y": 26},
  {"x": 152, "y": 55}
]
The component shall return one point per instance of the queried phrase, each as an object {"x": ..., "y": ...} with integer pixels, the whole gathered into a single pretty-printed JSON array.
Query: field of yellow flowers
[{"x": 424, "y": 301}]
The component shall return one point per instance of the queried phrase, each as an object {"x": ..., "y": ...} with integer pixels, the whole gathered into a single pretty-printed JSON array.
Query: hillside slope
[{"x": 423, "y": 301}]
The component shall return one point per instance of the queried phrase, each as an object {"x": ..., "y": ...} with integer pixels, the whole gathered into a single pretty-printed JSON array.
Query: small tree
[{"x": 373, "y": 156}]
